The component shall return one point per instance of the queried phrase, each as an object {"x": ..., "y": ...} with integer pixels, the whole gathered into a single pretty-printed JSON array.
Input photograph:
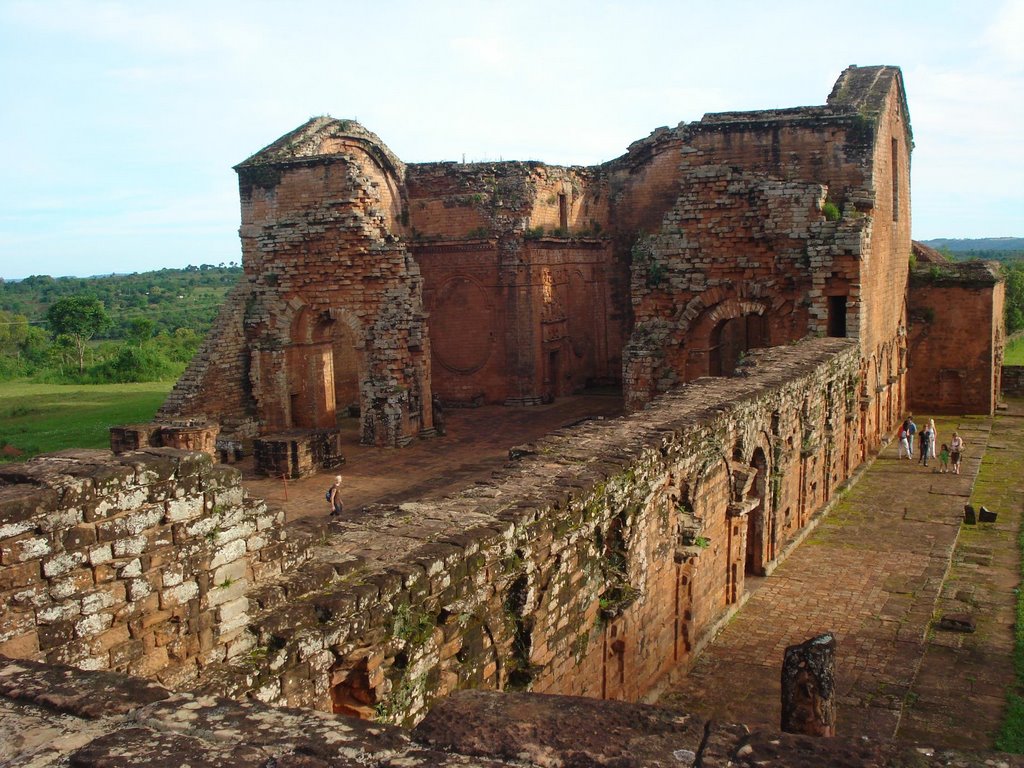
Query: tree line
[{"x": 117, "y": 328}]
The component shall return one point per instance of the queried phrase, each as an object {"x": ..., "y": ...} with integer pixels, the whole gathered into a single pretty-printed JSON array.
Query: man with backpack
[{"x": 333, "y": 496}]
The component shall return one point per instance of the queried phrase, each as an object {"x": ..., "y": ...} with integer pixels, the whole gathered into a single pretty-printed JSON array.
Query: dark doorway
[
  {"x": 754, "y": 557},
  {"x": 731, "y": 339},
  {"x": 837, "y": 316}
]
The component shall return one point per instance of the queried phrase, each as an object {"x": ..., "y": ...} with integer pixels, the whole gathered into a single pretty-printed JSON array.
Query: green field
[
  {"x": 1014, "y": 353},
  {"x": 39, "y": 418}
]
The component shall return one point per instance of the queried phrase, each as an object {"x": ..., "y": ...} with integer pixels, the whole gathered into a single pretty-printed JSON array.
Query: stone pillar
[{"x": 808, "y": 687}]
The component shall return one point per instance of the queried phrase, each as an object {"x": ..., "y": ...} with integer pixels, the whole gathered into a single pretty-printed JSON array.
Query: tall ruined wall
[
  {"x": 751, "y": 197},
  {"x": 138, "y": 563},
  {"x": 215, "y": 386},
  {"x": 602, "y": 557},
  {"x": 956, "y": 337},
  {"x": 741, "y": 261},
  {"x": 336, "y": 317},
  {"x": 877, "y": 94},
  {"x": 526, "y": 301}
]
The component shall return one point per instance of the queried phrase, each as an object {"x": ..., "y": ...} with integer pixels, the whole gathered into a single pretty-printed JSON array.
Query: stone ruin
[
  {"x": 371, "y": 285},
  {"x": 743, "y": 278}
]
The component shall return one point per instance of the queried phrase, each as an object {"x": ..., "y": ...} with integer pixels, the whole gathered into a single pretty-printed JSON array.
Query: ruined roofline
[
  {"x": 858, "y": 93},
  {"x": 526, "y": 166},
  {"x": 865, "y": 89},
  {"x": 785, "y": 115},
  {"x": 965, "y": 273},
  {"x": 306, "y": 145}
]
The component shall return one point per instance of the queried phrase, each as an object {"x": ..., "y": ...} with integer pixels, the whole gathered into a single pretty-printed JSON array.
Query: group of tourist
[{"x": 949, "y": 455}]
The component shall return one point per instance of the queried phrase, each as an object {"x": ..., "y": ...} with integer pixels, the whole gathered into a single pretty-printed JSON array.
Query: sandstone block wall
[
  {"x": 215, "y": 386},
  {"x": 138, "y": 563},
  {"x": 1013, "y": 380},
  {"x": 844, "y": 278},
  {"x": 57, "y": 716},
  {"x": 524, "y": 293},
  {"x": 601, "y": 559},
  {"x": 956, "y": 337}
]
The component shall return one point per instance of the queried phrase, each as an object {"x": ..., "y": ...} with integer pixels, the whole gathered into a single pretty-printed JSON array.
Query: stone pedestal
[
  {"x": 298, "y": 453},
  {"x": 808, "y": 687}
]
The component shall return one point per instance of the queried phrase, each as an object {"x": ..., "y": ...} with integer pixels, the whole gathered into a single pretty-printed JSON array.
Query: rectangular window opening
[{"x": 837, "y": 316}]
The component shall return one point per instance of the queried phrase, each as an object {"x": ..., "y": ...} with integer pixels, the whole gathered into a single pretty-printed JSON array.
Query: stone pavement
[
  {"x": 872, "y": 573},
  {"x": 476, "y": 444}
]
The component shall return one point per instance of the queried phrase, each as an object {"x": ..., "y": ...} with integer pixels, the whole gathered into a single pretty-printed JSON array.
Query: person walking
[
  {"x": 944, "y": 459},
  {"x": 903, "y": 449},
  {"x": 911, "y": 431},
  {"x": 956, "y": 452},
  {"x": 334, "y": 497},
  {"x": 926, "y": 444},
  {"x": 935, "y": 437}
]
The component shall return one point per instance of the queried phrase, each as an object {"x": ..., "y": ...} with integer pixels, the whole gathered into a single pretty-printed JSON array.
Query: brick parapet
[
  {"x": 56, "y": 716},
  {"x": 138, "y": 562}
]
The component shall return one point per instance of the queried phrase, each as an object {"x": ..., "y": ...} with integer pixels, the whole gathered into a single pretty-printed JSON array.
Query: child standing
[
  {"x": 956, "y": 452},
  {"x": 944, "y": 458}
]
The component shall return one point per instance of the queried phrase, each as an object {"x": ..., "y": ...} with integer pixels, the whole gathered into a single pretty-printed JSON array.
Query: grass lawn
[
  {"x": 39, "y": 418},
  {"x": 1014, "y": 352}
]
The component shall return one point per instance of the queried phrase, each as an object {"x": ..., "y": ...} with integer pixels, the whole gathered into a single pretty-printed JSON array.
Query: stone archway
[
  {"x": 716, "y": 343},
  {"x": 339, "y": 330},
  {"x": 731, "y": 339},
  {"x": 759, "y": 535}
]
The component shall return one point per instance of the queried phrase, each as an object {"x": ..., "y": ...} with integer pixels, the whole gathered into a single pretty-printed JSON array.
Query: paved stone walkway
[{"x": 872, "y": 573}]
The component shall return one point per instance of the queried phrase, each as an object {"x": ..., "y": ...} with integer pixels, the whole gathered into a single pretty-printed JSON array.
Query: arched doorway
[
  {"x": 757, "y": 538},
  {"x": 730, "y": 339}
]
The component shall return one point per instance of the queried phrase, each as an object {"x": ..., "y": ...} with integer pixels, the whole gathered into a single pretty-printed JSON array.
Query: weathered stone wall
[
  {"x": 1013, "y": 380},
  {"x": 216, "y": 386},
  {"x": 956, "y": 337},
  {"x": 739, "y": 263},
  {"x": 138, "y": 562},
  {"x": 57, "y": 716},
  {"x": 524, "y": 294},
  {"x": 750, "y": 206},
  {"x": 601, "y": 559},
  {"x": 332, "y": 315}
]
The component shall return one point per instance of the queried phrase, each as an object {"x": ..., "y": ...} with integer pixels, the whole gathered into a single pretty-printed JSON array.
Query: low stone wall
[
  {"x": 1013, "y": 380},
  {"x": 603, "y": 558},
  {"x": 598, "y": 562},
  {"x": 138, "y": 562},
  {"x": 57, "y": 716}
]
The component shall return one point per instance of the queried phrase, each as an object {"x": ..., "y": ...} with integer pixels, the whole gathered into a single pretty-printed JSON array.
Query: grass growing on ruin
[
  {"x": 39, "y": 418},
  {"x": 998, "y": 486},
  {"x": 1014, "y": 353}
]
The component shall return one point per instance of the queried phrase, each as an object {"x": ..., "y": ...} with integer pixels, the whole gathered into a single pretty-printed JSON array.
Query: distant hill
[
  {"x": 961, "y": 249},
  {"x": 171, "y": 298}
]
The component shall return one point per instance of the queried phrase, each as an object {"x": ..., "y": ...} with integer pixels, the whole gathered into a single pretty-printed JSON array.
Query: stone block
[{"x": 23, "y": 646}]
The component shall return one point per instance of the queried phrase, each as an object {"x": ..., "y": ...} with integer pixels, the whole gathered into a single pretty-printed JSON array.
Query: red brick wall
[{"x": 956, "y": 332}]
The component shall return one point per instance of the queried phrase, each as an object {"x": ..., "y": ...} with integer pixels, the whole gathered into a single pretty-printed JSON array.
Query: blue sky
[{"x": 121, "y": 120}]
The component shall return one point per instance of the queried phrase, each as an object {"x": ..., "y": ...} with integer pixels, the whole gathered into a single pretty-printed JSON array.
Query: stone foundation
[
  {"x": 139, "y": 562},
  {"x": 54, "y": 716},
  {"x": 298, "y": 453},
  {"x": 187, "y": 436}
]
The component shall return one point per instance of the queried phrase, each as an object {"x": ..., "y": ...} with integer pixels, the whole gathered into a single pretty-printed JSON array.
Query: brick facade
[
  {"x": 372, "y": 285},
  {"x": 957, "y": 335}
]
